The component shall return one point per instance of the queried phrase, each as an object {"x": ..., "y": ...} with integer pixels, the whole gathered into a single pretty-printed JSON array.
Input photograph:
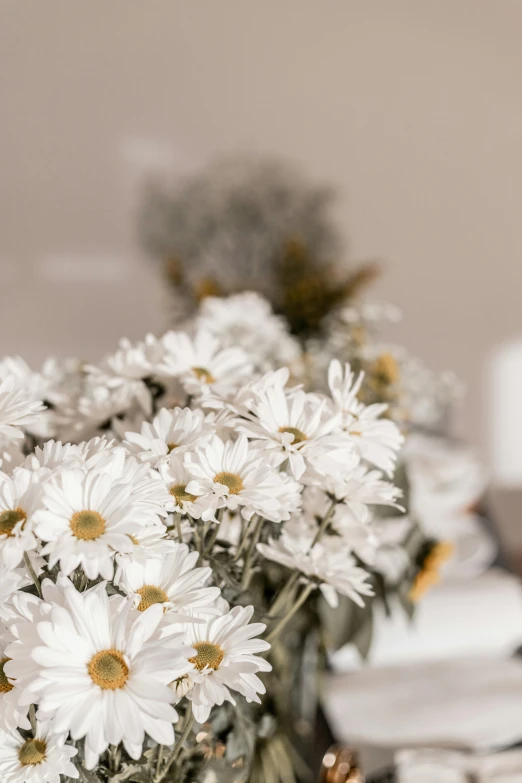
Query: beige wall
[{"x": 412, "y": 107}]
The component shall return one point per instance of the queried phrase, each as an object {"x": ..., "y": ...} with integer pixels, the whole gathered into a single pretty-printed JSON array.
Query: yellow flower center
[
  {"x": 299, "y": 435},
  {"x": 429, "y": 573},
  {"x": 386, "y": 369},
  {"x": 179, "y": 492},
  {"x": 87, "y": 525},
  {"x": 9, "y": 519},
  {"x": 32, "y": 752},
  {"x": 133, "y": 539},
  {"x": 108, "y": 669},
  {"x": 230, "y": 480},
  {"x": 208, "y": 654},
  {"x": 150, "y": 594},
  {"x": 203, "y": 375},
  {"x": 5, "y": 685}
]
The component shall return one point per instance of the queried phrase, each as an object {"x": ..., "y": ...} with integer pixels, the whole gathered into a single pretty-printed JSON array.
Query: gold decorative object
[{"x": 340, "y": 765}]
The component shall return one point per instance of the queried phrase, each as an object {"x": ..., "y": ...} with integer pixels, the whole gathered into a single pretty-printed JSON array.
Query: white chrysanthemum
[
  {"x": 353, "y": 534},
  {"x": 18, "y": 410},
  {"x": 37, "y": 386},
  {"x": 149, "y": 494},
  {"x": 134, "y": 360},
  {"x": 225, "y": 660},
  {"x": 53, "y": 455},
  {"x": 85, "y": 519},
  {"x": 102, "y": 670},
  {"x": 11, "y": 454},
  {"x": 99, "y": 405},
  {"x": 240, "y": 403},
  {"x": 235, "y": 475},
  {"x": 246, "y": 320},
  {"x": 12, "y": 714},
  {"x": 11, "y": 580},
  {"x": 377, "y": 440},
  {"x": 363, "y": 488},
  {"x": 202, "y": 365},
  {"x": 20, "y": 499},
  {"x": 149, "y": 542},
  {"x": 325, "y": 564},
  {"x": 176, "y": 478},
  {"x": 170, "y": 430},
  {"x": 41, "y": 758},
  {"x": 299, "y": 426},
  {"x": 171, "y": 580}
]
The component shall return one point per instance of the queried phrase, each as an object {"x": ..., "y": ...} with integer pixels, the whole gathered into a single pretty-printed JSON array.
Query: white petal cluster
[
  {"x": 150, "y": 483},
  {"x": 262, "y": 335}
]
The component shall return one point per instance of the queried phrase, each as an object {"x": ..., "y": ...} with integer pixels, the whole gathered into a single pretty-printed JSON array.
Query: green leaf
[
  {"x": 364, "y": 636},
  {"x": 406, "y": 604},
  {"x": 86, "y": 776},
  {"x": 133, "y": 772},
  {"x": 343, "y": 623}
]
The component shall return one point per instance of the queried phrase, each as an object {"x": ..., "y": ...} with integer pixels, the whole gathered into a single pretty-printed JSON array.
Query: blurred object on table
[
  {"x": 340, "y": 765},
  {"x": 474, "y": 617},
  {"x": 427, "y": 765},
  {"x": 466, "y": 703}
]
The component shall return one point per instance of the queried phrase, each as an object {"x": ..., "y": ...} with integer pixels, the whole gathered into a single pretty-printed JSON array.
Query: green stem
[
  {"x": 283, "y": 595},
  {"x": 32, "y": 718},
  {"x": 212, "y": 540},
  {"x": 324, "y": 524},
  {"x": 248, "y": 569},
  {"x": 290, "y": 585},
  {"x": 160, "y": 759},
  {"x": 248, "y": 527},
  {"x": 177, "y": 522},
  {"x": 32, "y": 572},
  {"x": 178, "y": 747},
  {"x": 286, "y": 619}
]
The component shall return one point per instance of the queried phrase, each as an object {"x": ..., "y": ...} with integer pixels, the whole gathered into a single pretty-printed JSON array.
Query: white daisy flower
[
  {"x": 41, "y": 758},
  {"x": 176, "y": 477},
  {"x": 202, "y": 365},
  {"x": 18, "y": 410},
  {"x": 262, "y": 335},
  {"x": 85, "y": 519},
  {"x": 299, "y": 427},
  {"x": 97, "y": 407},
  {"x": 149, "y": 494},
  {"x": 12, "y": 714},
  {"x": 234, "y": 475},
  {"x": 377, "y": 440},
  {"x": 240, "y": 403},
  {"x": 225, "y": 660},
  {"x": 38, "y": 386},
  {"x": 125, "y": 370},
  {"x": 103, "y": 671},
  {"x": 11, "y": 580},
  {"x": 171, "y": 580},
  {"x": 326, "y": 564},
  {"x": 11, "y": 454},
  {"x": 351, "y": 533},
  {"x": 181, "y": 686},
  {"x": 53, "y": 455},
  {"x": 363, "y": 488},
  {"x": 20, "y": 499},
  {"x": 171, "y": 430},
  {"x": 148, "y": 543}
]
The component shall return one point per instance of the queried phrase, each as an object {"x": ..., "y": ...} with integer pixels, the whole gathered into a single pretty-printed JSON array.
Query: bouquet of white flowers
[{"x": 174, "y": 524}]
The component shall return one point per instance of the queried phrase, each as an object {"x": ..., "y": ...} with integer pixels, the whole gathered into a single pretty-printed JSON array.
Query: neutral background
[{"x": 412, "y": 109}]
